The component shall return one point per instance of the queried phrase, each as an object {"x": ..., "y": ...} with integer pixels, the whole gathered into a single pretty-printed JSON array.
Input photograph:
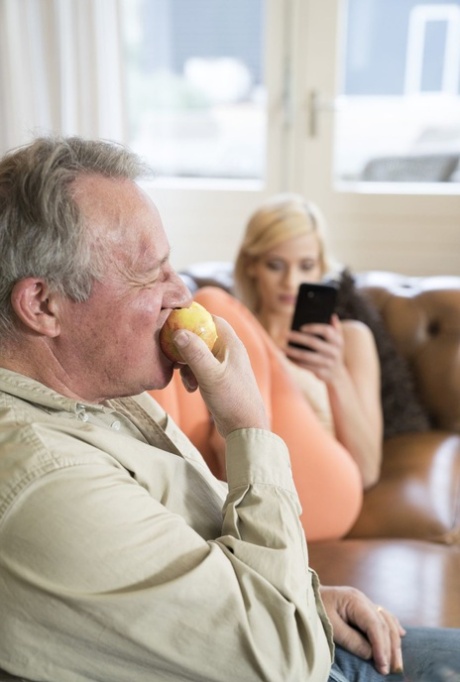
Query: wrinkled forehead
[
  {"x": 117, "y": 209},
  {"x": 124, "y": 226}
]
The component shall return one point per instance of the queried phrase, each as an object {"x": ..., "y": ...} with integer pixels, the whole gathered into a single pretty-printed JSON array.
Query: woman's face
[{"x": 278, "y": 273}]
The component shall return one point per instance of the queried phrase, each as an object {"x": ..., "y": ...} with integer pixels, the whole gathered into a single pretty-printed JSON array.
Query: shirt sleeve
[{"x": 105, "y": 582}]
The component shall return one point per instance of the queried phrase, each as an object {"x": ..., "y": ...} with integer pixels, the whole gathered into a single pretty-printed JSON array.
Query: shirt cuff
[{"x": 258, "y": 457}]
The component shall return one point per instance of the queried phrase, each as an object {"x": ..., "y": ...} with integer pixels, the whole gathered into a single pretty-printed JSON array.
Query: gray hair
[{"x": 41, "y": 230}]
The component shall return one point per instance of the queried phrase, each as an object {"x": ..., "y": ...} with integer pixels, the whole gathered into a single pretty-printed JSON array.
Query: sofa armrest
[{"x": 418, "y": 494}]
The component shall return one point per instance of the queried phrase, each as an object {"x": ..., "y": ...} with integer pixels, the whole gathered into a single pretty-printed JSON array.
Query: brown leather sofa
[{"x": 404, "y": 550}]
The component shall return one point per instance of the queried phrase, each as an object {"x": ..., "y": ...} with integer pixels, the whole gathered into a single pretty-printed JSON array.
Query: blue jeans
[{"x": 429, "y": 655}]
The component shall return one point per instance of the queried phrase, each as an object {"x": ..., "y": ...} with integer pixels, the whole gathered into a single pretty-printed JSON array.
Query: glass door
[
  {"x": 398, "y": 109},
  {"x": 195, "y": 82},
  {"x": 376, "y": 137},
  {"x": 205, "y": 104}
]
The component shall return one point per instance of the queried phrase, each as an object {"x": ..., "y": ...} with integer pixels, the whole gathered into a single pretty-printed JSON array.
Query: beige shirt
[{"x": 123, "y": 559}]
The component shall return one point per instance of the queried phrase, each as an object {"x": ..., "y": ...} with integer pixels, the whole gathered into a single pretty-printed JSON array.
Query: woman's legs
[{"x": 326, "y": 477}]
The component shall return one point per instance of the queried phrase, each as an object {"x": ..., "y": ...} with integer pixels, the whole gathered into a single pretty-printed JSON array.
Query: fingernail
[
  {"x": 384, "y": 669},
  {"x": 190, "y": 386},
  {"x": 399, "y": 665},
  {"x": 181, "y": 338}
]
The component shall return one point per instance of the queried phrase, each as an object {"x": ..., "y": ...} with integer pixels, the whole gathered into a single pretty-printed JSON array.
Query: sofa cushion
[
  {"x": 418, "y": 494},
  {"x": 209, "y": 273},
  {"x": 416, "y": 580}
]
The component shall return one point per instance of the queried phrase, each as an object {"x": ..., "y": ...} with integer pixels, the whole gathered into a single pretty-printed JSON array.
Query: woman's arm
[{"x": 345, "y": 358}]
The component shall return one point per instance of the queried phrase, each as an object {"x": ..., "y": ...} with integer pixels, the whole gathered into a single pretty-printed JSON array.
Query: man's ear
[{"x": 36, "y": 306}]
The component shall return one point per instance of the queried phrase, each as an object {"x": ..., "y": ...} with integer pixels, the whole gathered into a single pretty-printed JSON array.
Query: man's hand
[
  {"x": 224, "y": 377},
  {"x": 364, "y": 628}
]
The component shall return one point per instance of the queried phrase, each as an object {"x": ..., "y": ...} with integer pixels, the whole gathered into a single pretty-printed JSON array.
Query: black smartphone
[{"x": 315, "y": 303}]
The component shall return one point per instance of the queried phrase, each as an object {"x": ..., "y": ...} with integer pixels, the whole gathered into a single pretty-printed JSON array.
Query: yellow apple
[{"x": 195, "y": 318}]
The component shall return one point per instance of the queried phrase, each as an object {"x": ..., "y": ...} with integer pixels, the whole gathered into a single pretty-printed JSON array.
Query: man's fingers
[
  {"x": 384, "y": 633},
  {"x": 366, "y": 629},
  {"x": 351, "y": 639},
  {"x": 188, "y": 379},
  {"x": 194, "y": 351},
  {"x": 220, "y": 375},
  {"x": 394, "y": 658},
  {"x": 191, "y": 347}
]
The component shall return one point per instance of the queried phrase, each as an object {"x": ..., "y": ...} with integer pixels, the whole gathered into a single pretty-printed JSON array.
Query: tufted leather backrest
[{"x": 422, "y": 315}]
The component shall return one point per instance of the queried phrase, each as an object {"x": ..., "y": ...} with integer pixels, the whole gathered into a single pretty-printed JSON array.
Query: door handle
[{"x": 318, "y": 104}]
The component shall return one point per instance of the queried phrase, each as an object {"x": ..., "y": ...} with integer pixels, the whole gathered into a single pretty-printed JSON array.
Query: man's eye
[
  {"x": 153, "y": 276},
  {"x": 146, "y": 280}
]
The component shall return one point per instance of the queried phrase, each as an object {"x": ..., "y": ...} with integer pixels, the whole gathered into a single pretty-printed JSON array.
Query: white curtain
[{"x": 60, "y": 70}]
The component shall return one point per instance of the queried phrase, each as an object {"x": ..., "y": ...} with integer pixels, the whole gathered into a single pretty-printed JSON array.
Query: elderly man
[{"x": 121, "y": 557}]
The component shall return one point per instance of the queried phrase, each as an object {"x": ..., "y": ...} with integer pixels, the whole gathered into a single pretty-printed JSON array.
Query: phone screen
[{"x": 315, "y": 303}]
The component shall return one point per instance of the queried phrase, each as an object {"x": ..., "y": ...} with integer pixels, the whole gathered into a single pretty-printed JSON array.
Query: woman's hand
[
  {"x": 364, "y": 628},
  {"x": 323, "y": 352}
]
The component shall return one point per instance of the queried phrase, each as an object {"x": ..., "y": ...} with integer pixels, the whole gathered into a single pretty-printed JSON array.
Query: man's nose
[{"x": 178, "y": 295}]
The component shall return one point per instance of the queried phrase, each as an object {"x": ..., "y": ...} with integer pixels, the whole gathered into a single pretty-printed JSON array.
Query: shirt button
[{"x": 116, "y": 426}]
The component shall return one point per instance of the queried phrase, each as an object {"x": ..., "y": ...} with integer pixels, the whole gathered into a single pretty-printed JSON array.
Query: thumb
[{"x": 194, "y": 352}]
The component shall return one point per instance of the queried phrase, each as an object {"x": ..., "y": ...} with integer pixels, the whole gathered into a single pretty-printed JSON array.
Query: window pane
[
  {"x": 195, "y": 83},
  {"x": 398, "y": 113}
]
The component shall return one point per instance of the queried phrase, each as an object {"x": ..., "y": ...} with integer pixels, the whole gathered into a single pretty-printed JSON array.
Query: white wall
[
  {"x": 421, "y": 246},
  {"x": 209, "y": 226},
  {"x": 204, "y": 225}
]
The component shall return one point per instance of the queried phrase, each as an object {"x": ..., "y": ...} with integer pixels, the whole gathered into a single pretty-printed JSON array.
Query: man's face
[{"x": 109, "y": 345}]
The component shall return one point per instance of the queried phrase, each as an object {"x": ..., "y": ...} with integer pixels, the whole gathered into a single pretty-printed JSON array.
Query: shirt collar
[{"x": 33, "y": 391}]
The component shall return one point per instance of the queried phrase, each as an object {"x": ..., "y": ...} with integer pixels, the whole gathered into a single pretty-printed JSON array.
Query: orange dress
[{"x": 327, "y": 478}]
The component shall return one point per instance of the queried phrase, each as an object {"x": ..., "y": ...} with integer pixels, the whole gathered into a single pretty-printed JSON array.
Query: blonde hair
[{"x": 283, "y": 217}]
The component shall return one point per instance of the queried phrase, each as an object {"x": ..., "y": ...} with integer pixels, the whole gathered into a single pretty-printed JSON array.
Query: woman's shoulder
[
  {"x": 359, "y": 342},
  {"x": 357, "y": 329}
]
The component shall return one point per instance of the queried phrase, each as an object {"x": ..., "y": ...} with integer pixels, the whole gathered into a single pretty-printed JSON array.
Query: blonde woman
[
  {"x": 338, "y": 367},
  {"x": 323, "y": 400}
]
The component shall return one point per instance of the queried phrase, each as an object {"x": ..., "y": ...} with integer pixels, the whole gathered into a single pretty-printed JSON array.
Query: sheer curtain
[{"x": 60, "y": 70}]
